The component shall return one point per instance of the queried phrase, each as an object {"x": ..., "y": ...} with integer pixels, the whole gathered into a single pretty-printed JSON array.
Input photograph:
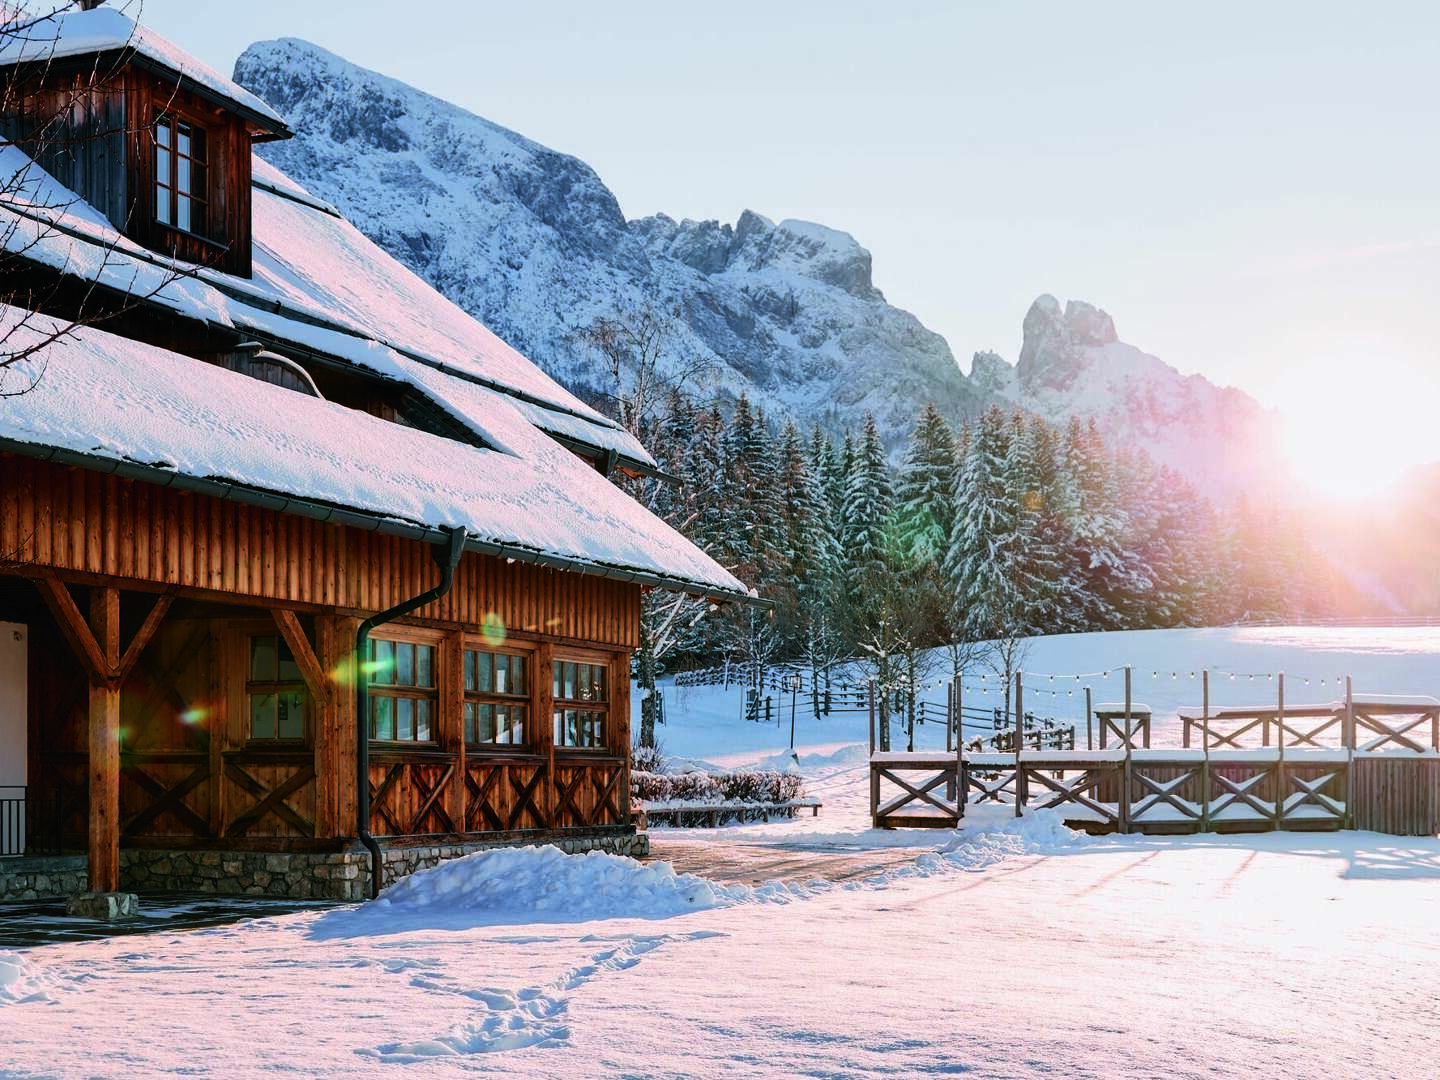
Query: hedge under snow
[{"x": 754, "y": 787}]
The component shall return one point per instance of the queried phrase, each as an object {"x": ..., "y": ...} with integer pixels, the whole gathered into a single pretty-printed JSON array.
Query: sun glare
[
  {"x": 1354, "y": 429},
  {"x": 1349, "y": 459}
]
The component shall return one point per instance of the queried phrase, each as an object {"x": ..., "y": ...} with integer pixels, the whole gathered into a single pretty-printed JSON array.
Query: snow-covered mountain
[
  {"x": 1072, "y": 363},
  {"x": 534, "y": 244}
]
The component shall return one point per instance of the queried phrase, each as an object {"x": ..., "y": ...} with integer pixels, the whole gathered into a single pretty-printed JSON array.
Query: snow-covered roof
[
  {"x": 319, "y": 284},
  {"x": 131, "y": 406},
  {"x": 71, "y": 32}
]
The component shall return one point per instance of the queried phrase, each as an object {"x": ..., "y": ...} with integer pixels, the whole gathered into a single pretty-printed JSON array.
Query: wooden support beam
[
  {"x": 104, "y": 776},
  {"x": 452, "y": 722},
  {"x": 144, "y": 634},
  {"x": 77, "y": 633},
  {"x": 310, "y": 669}
]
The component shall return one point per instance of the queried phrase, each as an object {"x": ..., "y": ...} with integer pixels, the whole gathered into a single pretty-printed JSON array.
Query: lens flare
[{"x": 493, "y": 629}]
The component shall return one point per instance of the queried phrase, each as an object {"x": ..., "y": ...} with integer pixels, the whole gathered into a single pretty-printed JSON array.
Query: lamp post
[{"x": 793, "y": 681}]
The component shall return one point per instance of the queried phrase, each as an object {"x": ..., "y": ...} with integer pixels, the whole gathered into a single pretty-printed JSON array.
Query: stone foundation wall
[
  {"x": 308, "y": 876},
  {"x": 340, "y": 875},
  {"x": 33, "y": 878}
]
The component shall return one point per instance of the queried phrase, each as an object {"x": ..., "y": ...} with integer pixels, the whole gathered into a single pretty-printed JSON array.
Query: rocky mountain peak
[{"x": 533, "y": 244}]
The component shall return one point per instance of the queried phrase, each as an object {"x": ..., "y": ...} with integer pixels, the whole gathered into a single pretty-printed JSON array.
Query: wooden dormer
[{"x": 148, "y": 136}]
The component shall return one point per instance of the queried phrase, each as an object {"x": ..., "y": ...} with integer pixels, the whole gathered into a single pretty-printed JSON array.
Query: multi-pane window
[
  {"x": 497, "y": 689},
  {"x": 403, "y": 696},
  {"x": 180, "y": 166},
  {"x": 582, "y": 696},
  {"x": 275, "y": 691}
]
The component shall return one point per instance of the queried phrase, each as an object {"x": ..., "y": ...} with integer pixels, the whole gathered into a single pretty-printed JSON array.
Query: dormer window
[{"x": 180, "y": 175}]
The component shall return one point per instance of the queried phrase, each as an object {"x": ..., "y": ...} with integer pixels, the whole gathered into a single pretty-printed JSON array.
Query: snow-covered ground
[{"x": 1008, "y": 949}]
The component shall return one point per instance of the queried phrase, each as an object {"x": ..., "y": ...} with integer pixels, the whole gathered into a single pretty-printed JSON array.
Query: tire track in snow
[{"x": 530, "y": 1016}]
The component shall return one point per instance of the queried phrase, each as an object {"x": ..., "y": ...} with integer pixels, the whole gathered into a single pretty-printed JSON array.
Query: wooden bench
[{"x": 674, "y": 812}]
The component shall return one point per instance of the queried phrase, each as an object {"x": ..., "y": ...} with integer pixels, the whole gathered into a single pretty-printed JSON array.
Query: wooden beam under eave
[
  {"x": 78, "y": 634},
  {"x": 143, "y": 635},
  {"x": 104, "y": 774},
  {"x": 310, "y": 668}
]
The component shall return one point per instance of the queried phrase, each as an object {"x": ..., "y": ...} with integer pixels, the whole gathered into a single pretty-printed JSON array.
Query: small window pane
[
  {"x": 384, "y": 727},
  {"x": 182, "y": 212},
  {"x": 162, "y": 132},
  {"x": 404, "y": 718},
  {"x": 162, "y": 165},
  {"x": 288, "y": 668},
  {"x": 292, "y": 716},
  {"x": 182, "y": 174},
  {"x": 383, "y": 655},
  {"x": 470, "y": 709},
  {"x": 470, "y": 663},
  {"x": 422, "y": 720},
  {"x": 162, "y": 205},
  {"x": 425, "y": 665},
  {"x": 487, "y": 673},
  {"x": 262, "y": 659},
  {"x": 404, "y": 664},
  {"x": 262, "y": 716},
  {"x": 182, "y": 138}
]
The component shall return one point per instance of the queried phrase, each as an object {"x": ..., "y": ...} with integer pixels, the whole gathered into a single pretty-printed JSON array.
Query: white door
[{"x": 13, "y": 728}]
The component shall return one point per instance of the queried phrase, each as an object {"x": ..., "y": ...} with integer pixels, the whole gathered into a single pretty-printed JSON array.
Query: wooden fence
[{"x": 1368, "y": 762}]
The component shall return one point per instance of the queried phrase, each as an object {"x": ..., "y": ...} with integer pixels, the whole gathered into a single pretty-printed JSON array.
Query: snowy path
[{"x": 1277, "y": 955}]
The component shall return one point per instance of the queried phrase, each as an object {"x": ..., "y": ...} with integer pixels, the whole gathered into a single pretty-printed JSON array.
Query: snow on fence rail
[{"x": 1367, "y": 762}]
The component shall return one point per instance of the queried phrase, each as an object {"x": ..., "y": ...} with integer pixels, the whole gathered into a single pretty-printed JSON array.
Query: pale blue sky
[{"x": 1251, "y": 189}]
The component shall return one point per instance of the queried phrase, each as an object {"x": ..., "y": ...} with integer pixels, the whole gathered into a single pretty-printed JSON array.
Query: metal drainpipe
[{"x": 362, "y": 696}]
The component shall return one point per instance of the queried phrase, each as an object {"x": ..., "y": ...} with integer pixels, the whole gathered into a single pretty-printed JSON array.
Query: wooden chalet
[{"x": 307, "y": 572}]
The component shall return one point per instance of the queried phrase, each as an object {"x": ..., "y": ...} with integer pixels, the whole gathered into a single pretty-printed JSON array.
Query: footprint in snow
[{"x": 525, "y": 1017}]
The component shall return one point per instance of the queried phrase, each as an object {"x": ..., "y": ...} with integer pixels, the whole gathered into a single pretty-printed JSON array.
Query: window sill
[{"x": 199, "y": 238}]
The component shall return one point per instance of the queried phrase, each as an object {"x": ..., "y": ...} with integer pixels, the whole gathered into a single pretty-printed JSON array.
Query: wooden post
[
  {"x": 543, "y": 727},
  {"x": 104, "y": 841},
  {"x": 951, "y": 792},
  {"x": 949, "y": 715},
  {"x": 1205, "y": 743},
  {"x": 962, "y": 790},
  {"x": 451, "y": 723},
  {"x": 1280, "y": 784},
  {"x": 326, "y": 731},
  {"x": 870, "y": 696},
  {"x": 345, "y": 668},
  {"x": 1089, "y": 723},
  {"x": 1125, "y": 772},
  {"x": 1348, "y": 724},
  {"x": 1019, "y": 742}
]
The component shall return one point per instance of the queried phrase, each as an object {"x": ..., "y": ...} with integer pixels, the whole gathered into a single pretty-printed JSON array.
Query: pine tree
[
  {"x": 868, "y": 500},
  {"x": 925, "y": 496},
  {"x": 980, "y": 562}
]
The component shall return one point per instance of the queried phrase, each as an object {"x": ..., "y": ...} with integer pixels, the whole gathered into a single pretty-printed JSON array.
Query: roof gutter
[{"x": 368, "y": 521}]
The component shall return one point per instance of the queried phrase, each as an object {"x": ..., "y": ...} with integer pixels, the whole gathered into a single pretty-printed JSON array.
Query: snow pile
[
  {"x": 543, "y": 884},
  {"x": 18, "y": 980},
  {"x": 1039, "y": 832}
]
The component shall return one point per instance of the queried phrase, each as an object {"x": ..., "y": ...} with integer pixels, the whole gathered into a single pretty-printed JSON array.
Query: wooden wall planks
[{"x": 67, "y": 519}]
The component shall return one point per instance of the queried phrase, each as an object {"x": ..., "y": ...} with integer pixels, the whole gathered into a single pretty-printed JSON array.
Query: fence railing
[
  {"x": 12, "y": 821},
  {"x": 31, "y": 822}
]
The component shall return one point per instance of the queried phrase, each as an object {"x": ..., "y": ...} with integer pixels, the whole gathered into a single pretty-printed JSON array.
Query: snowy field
[{"x": 1007, "y": 949}]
